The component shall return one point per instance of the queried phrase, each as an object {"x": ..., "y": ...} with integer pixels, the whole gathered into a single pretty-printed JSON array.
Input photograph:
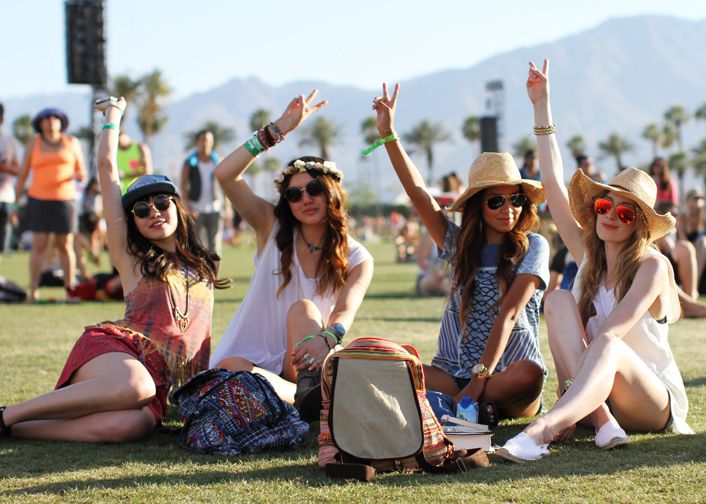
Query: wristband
[
  {"x": 544, "y": 130},
  {"x": 305, "y": 339},
  {"x": 108, "y": 125},
  {"x": 377, "y": 143},
  {"x": 252, "y": 149},
  {"x": 256, "y": 143}
]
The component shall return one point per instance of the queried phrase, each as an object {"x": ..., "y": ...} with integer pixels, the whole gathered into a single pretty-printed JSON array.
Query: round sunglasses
[
  {"x": 161, "y": 202},
  {"x": 625, "y": 214},
  {"x": 294, "y": 194},
  {"x": 497, "y": 200}
]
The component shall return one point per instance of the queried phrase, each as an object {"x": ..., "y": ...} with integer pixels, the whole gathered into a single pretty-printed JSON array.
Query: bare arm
[
  {"x": 24, "y": 171},
  {"x": 9, "y": 163},
  {"x": 412, "y": 181},
  {"x": 146, "y": 159},
  {"x": 550, "y": 163},
  {"x": 80, "y": 169},
  {"x": 255, "y": 210}
]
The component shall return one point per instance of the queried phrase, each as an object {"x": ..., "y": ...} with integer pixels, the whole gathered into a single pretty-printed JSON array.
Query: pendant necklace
[
  {"x": 181, "y": 319},
  {"x": 312, "y": 248}
]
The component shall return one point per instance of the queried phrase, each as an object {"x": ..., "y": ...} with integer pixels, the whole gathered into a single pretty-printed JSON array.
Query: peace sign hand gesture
[
  {"x": 385, "y": 107},
  {"x": 298, "y": 110},
  {"x": 538, "y": 83}
]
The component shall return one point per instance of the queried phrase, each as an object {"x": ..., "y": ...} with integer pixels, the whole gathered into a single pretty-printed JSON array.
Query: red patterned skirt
[{"x": 108, "y": 338}]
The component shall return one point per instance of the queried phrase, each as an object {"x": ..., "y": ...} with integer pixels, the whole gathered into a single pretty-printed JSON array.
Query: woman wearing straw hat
[
  {"x": 488, "y": 346},
  {"x": 609, "y": 340},
  {"x": 55, "y": 162}
]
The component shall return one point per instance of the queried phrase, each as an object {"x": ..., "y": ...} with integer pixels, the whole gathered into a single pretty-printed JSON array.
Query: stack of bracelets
[
  {"x": 263, "y": 139},
  {"x": 544, "y": 130}
]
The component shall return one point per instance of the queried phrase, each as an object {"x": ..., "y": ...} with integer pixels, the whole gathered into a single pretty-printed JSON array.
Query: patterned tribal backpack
[
  {"x": 375, "y": 416},
  {"x": 230, "y": 413}
]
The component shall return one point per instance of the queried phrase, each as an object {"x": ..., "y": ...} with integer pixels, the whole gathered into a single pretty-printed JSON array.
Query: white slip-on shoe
[
  {"x": 521, "y": 448},
  {"x": 610, "y": 436}
]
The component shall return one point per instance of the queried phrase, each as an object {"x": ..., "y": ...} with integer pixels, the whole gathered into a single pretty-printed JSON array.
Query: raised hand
[
  {"x": 384, "y": 106},
  {"x": 103, "y": 104},
  {"x": 538, "y": 82},
  {"x": 298, "y": 110}
]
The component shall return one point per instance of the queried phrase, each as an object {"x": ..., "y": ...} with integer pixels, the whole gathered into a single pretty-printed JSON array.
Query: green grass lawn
[{"x": 35, "y": 340}]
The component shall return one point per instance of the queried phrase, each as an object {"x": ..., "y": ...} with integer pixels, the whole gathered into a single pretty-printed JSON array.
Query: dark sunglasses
[
  {"x": 625, "y": 213},
  {"x": 161, "y": 202},
  {"x": 294, "y": 194},
  {"x": 497, "y": 200}
]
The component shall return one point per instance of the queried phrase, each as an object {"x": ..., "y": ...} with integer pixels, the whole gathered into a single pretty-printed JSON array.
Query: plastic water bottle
[{"x": 467, "y": 409}]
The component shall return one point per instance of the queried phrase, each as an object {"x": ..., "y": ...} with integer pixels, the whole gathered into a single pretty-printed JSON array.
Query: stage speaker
[
  {"x": 85, "y": 42},
  {"x": 489, "y": 134}
]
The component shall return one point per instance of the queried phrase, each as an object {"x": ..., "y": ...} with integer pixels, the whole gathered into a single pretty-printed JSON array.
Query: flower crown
[{"x": 299, "y": 166}]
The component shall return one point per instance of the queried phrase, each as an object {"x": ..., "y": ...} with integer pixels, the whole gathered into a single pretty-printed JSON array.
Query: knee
[
  {"x": 528, "y": 378},
  {"x": 133, "y": 393},
  {"x": 303, "y": 308},
  {"x": 557, "y": 303},
  {"x": 607, "y": 344}
]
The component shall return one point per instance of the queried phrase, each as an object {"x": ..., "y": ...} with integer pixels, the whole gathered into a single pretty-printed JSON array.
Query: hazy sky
[{"x": 201, "y": 44}]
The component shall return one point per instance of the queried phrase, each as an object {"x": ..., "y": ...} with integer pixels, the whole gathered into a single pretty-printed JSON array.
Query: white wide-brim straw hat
[
  {"x": 631, "y": 183},
  {"x": 492, "y": 169}
]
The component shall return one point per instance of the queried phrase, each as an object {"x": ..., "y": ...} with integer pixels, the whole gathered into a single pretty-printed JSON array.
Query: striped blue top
[{"x": 457, "y": 353}]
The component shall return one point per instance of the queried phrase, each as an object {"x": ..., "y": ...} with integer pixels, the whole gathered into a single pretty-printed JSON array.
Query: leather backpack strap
[
  {"x": 460, "y": 461},
  {"x": 349, "y": 470}
]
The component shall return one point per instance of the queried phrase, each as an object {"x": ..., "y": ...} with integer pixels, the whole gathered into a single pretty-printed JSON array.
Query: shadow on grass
[
  {"x": 696, "y": 382},
  {"x": 579, "y": 458}
]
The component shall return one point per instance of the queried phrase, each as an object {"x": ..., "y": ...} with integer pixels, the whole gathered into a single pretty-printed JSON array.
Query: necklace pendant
[{"x": 181, "y": 321}]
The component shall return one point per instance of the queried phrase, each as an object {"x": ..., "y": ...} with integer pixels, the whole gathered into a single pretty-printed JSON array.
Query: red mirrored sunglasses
[{"x": 625, "y": 213}]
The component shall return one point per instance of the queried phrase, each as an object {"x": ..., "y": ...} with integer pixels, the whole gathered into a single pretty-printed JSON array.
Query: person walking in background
[
  {"x": 55, "y": 162},
  {"x": 488, "y": 346},
  {"x": 114, "y": 385},
  {"x": 530, "y": 166},
  {"x": 667, "y": 190},
  {"x": 9, "y": 167},
  {"x": 134, "y": 159},
  {"x": 610, "y": 339},
  {"x": 201, "y": 193}
]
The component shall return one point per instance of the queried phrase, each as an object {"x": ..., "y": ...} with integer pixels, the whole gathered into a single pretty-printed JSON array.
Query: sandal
[
  {"x": 488, "y": 414},
  {"x": 5, "y": 430}
]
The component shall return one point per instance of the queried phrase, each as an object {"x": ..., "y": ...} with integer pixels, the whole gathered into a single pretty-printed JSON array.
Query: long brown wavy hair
[
  {"x": 664, "y": 177},
  {"x": 332, "y": 270},
  {"x": 629, "y": 258},
  {"x": 156, "y": 263},
  {"x": 470, "y": 242}
]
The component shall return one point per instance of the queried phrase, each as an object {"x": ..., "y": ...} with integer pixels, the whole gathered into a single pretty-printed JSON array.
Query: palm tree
[
  {"x": 259, "y": 118},
  {"x": 426, "y": 135},
  {"x": 150, "y": 115},
  {"x": 221, "y": 134},
  {"x": 699, "y": 164},
  {"x": 369, "y": 130},
  {"x": 652, "y": 134},
  {"x": 668, "y": 136},
  {"x": 323, "y": 133},
  {"x": 471, "y": 129},
  {"x": 678, "y": 163},
  {"x": 615, "y": 146},
  {"x": 700, "y": 113},
  {"x": 676, "y": 115},
  {"x": 577, "y": 146},
  {"x": 22, "y": 129},
  {"x": 523, "y": 145}
]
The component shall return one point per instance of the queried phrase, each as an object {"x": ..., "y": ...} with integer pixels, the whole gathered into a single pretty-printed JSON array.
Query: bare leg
[
  {"x": 107, "y": 390},
  {"x": 685, "y": 256},
  {"x": 692, "y": 308},
  {"x": 303, "y": 319},
  {"x": 700, "y": 249},
  {"x": 65, "y": 246},
  {"x": 36, "y": 260}
]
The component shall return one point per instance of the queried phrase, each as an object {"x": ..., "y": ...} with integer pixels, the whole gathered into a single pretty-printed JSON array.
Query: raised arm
[
  {"x": 255, "y": 210},
  {"x": 550, "y": 164},
  {"x": 407, "y": 172},
  {"x": 107, "y": 167}
]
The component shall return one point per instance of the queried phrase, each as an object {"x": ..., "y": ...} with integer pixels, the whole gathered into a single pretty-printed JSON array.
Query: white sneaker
[
  {"x": 521, "y": 448},
  {"x": 610, "y": 436}
]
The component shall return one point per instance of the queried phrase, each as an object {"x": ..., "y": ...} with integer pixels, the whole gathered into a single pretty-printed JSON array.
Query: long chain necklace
[
  {"x": 312, "y": 248},
  {"x": 181, "y": 319}
]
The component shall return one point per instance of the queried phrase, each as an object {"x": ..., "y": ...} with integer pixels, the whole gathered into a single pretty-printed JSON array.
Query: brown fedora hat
[
  {"x": 630, "y": 183},
  {"x": 492, "y": 169}
]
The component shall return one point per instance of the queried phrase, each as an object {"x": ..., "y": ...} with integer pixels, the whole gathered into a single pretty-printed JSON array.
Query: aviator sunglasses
[
  {"x": 625, "y": 213},
  {"x": 161, "y": 202},
  {"x": 294, "y": 194},
  {"x": 497, "y": 200}
]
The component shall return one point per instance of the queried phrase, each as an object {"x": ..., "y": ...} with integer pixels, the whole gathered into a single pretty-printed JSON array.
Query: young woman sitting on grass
[
  {"x": 488, "y": 345},
  {"x": 609, "y": 335},
  {"x": 115, "y": 382},
  {"x": 310, "y": 275}
]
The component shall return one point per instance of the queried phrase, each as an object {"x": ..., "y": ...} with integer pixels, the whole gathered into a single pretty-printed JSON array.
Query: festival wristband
[
  {"x": 377, "y": 143},
  {"x": 305, "y": 339},
  {"x": 333, "y": 335},
  {"x": 108, "y": 125},
  {"x": 252, "y": 149}
]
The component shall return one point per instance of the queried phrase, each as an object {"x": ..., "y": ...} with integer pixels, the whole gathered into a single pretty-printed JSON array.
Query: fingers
[
  {"x": 395, "y": 93},
  {"x": 545, "y": 67},
  {"x": 385, "y": 94},
  {"x": 319, "y": 105},
  {"x": 312, "y": 95}
]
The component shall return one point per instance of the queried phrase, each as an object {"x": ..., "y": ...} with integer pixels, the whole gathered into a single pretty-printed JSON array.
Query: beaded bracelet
[
  {"x": 544, "y": 130},
  {"x": 323, "y": 336},
  {"x": 333, "y": 335},
  {"x": 274, "y": 133},
  {"x": 377, "y": 143}
]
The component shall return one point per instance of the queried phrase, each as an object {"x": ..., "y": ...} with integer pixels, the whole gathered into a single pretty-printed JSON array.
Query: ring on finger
[{"x": 310, "y": 359}]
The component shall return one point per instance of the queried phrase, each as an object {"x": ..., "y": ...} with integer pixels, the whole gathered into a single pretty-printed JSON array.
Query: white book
[
  {"x": 474, "y": 427},
  {"x": 470, "y": 441}
]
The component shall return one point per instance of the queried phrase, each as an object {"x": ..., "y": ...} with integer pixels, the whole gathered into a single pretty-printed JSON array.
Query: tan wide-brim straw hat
[
  {"x": 630, "y": 183},
  {"x": 492, "y": 169}
]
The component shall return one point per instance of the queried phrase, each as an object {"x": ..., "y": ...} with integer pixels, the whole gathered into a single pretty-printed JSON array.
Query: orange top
[{"x": 54, "y": 172}]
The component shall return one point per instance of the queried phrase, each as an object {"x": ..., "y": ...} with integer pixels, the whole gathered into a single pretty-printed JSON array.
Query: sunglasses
[
  {"x": 625, "y": 213},
  {"x": 294, "y": 194},
  {"x": 161, "y": 202},
  {"x": 497, "y": 200}
]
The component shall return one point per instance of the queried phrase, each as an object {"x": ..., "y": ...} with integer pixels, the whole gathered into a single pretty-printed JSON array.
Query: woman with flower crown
[{"x": 310, "y": 275}]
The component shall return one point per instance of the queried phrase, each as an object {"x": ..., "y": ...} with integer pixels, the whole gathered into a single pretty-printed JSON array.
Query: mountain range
[{"x": 616, "y": 77}]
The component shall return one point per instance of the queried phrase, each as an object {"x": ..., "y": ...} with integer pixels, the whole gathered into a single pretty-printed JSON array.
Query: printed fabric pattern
[{"x": 230, "y": 413}]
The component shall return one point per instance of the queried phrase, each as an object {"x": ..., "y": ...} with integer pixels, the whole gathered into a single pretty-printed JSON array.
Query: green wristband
[
  {"x": 252, "y": 149},
  {"x": 109, "y": 125},
  {"x": 333, "y": 335},
  {"x": 377, "y": 143},
  {"x": 305, "y": 339}
]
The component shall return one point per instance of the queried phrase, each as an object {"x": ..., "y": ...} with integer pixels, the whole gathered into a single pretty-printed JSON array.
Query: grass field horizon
[{"x": 37, "y": 338}]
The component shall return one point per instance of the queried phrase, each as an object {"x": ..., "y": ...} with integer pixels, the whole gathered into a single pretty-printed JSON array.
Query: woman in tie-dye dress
[{"x": 115, "y": 382}]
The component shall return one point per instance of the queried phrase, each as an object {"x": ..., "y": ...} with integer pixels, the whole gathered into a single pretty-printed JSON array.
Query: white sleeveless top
[
  {"x": 649, "y": 340},
  {"x": 258, "y": 330}
]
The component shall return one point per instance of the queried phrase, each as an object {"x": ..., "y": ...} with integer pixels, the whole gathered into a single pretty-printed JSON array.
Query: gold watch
[{"x": 480, "y": 371}]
